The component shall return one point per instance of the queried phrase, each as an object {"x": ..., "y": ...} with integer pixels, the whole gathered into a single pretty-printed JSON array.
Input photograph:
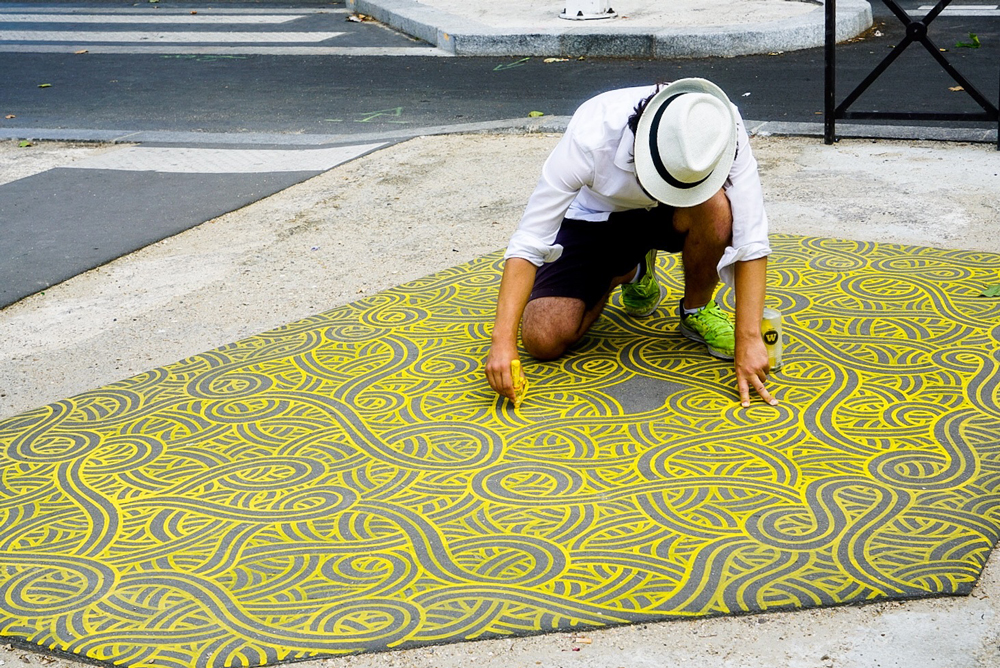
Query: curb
[
  {"x": 553, "y": 124},
  {"x": 465, "y": 37}
]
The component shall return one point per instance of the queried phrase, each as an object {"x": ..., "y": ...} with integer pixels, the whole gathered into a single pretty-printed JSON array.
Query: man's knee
[
  {"x": 550, "y": 326},
  {"x": 544, "y": 348}
]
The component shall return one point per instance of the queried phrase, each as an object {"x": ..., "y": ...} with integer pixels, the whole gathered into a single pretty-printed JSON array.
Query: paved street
[
  {"x": 341, "y": 77},
  {"x": 293, "y": 77},
  {"x": 191, "y": 185}
]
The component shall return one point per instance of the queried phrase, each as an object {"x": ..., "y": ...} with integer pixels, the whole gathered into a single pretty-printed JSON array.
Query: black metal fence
[{"x": 916, "y": 31}]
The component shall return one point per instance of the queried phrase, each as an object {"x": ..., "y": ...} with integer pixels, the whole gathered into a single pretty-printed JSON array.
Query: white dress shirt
[{"x": 590, "y": 174}]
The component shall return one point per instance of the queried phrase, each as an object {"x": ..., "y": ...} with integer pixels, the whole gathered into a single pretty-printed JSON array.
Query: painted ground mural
[{"x": 349, "y": 483}]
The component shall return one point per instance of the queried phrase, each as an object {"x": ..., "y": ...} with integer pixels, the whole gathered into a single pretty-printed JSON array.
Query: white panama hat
[{"x": 685, "y": 142}]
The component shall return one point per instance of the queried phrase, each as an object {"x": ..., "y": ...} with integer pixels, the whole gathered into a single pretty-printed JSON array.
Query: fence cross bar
[{"x": 916, "y": 31}]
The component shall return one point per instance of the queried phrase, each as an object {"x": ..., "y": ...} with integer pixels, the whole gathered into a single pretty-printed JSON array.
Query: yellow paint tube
[{"x": 520, "y": 382}]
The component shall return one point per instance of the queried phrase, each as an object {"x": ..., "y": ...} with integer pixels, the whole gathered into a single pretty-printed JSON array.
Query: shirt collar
[{"x": 624, "y": 159}]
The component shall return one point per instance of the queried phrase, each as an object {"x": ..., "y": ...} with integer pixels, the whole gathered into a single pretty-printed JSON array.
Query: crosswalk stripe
[
  {"x": 360, "y": 51},
  {"x": 962, "y": 10},
  {"x": 8, "y": 9},
  {"x": 31, "y": 39},
  {"x": 178, "y": 19},
  {"x": 80, "y": 37},
  {"x": 223, "y": 161}
]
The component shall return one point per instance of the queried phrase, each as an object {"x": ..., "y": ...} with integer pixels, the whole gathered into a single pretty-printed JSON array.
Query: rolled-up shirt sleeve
[
  {"x": 568, "y": 168},
  {"x": 746, "y": 197}
]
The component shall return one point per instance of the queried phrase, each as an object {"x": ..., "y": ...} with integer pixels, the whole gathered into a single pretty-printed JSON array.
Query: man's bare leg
[
  {"x": 550, "y": 325},
  {"x": 709, "y": 230}
]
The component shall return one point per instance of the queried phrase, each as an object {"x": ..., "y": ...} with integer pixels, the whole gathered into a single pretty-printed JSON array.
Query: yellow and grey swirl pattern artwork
[{"x": 349, "y": 483}]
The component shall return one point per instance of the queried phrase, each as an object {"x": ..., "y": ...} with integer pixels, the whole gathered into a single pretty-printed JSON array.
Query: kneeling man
[{"x": 664, "y": 167}]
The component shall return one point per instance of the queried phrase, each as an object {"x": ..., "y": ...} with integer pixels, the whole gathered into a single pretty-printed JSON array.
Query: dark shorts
[{"x": 595, "y": 253}]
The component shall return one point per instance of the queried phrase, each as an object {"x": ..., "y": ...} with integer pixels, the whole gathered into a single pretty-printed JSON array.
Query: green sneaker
[
  {"x": 643, "y": 297},
  {"x": 710, "y": 326}
]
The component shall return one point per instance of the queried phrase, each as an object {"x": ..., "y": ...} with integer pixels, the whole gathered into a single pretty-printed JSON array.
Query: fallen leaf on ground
[
  {"x": 535, "y": 114},
  {"x": 991, "y": 291},
  {"x": 45, "y": 85},
  {"x": 81, "y": 51},
  {"x": 973, "y": 44},
  {"x": 10, "y": 116},
  {"x": 955, "y": 89},
  {"x": 24, "y": 144},
  {"x": 555, "y": 60},
  {"x": 507, "y": 66}
]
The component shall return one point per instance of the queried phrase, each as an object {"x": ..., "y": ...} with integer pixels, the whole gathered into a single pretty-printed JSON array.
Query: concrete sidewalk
[
  {"x": 639, "y": 28},
  {"x": 431, "y": 203}
]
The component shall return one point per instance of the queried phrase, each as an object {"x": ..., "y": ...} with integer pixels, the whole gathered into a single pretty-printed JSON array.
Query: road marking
[
  {"x": 64, "y": 9},
  {"x": 360, "y": 51},
  {"x": 223, "y": 161},
  {"x": 962, "y": 10},
  {"x": 80, "y": 37},
  {"x": 147, "y": 18}
]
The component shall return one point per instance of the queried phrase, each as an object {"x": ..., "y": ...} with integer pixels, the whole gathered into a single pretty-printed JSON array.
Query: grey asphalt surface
[
  {"x": 42, "y": 245},
  {"x": 294, "y": 95}
]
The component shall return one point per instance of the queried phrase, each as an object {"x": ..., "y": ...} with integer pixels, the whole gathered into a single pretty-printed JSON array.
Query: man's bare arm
[
  {"x": 515, "y": 288},
  {"x": 751, "y": 361}
]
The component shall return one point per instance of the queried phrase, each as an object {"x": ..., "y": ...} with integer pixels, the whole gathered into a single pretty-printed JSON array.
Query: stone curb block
[
  {"x": 416, "y": 20},
  {"x": 465, "y": 37},
  {"x": 554, "y": 124}
]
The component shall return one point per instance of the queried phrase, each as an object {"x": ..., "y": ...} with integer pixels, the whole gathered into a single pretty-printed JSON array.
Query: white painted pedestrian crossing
[
  {"x": 229, "y": 32},
  {"x": 169, "y": 19},
  {"x": 221, "y": 50},
  {"x": 178, "y": 37},
  {"x": 962, "y": 10}
]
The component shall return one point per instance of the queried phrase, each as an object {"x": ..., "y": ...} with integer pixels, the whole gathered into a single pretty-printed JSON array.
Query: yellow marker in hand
[{"x": 520, "y": 382}]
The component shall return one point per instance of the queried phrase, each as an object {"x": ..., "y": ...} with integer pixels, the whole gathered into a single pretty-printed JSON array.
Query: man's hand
[
  {"x": 752, "y": 367},
  {"x": 498, "y": 369}
]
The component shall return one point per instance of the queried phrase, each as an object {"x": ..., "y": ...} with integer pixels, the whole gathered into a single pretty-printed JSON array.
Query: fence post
[{"x": 830, "y": 88}]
